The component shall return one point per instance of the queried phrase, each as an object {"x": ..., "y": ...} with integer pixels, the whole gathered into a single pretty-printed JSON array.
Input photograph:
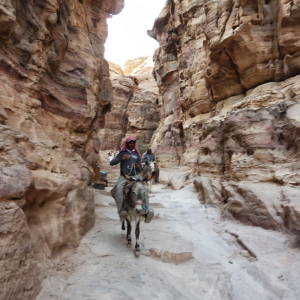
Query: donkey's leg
[
  {"x": 150, "y": 184},
  {"x": 128, "y": 236},
  {"x": 137, "y": 235}
]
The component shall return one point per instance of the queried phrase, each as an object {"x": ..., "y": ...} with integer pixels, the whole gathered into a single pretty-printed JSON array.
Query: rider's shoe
[
  {"x": 122, "y": 215},
  {"x": 149, "y": 215}
]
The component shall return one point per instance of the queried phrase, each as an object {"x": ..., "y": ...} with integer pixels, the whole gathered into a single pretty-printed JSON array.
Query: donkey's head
[
  {"x": 152, "y": 166},
  {"x": 137, "y": 193}
]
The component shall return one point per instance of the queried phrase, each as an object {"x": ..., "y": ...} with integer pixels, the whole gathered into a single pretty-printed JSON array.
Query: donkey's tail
[{"x": 123, "y": 225}]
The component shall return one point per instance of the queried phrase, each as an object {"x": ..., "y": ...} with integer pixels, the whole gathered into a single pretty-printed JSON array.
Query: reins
[
  {"x": 131, "y": 168},
  {"x": 138, "y": 202}
]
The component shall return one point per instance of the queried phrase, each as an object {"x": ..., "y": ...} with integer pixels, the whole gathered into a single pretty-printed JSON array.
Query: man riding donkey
[
  {"x": 149, "y": 157},
  {"x": 131, "y": 165}
]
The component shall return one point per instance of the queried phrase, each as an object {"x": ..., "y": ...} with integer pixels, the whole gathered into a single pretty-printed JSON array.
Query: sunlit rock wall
[
  {"x": 131, "y": 64},
  {"x": 54, "y": 83},
  {"x": 227, "y": 72}
]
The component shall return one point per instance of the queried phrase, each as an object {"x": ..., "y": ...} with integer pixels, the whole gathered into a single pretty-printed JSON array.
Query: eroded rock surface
[
  {"x": 54, "y": 85},
  {"x": 228, "y": 75}
]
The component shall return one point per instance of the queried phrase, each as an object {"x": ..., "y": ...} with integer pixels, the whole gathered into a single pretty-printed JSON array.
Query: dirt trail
[{"x": 229, "y": 261}]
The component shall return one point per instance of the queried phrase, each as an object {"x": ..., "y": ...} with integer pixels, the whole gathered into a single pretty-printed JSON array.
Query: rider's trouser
[{"x": 120, "y": 190}]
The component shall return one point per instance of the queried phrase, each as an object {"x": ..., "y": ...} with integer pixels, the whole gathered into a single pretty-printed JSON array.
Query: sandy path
[{"x": 104, "y": 268}]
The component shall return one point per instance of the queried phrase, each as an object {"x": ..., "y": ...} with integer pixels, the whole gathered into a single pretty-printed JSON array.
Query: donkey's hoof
[
  {"x": 137, "y": 253},
  {"x": 129, "y": 245}
]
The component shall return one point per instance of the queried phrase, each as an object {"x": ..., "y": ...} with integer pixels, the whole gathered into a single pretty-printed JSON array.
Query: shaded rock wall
[
  {"x": 227, "y": 72},
  {"x": 54, "y": 84},
  {"x": 133, "y": 109},
  {"x": 112, "y": 123}
]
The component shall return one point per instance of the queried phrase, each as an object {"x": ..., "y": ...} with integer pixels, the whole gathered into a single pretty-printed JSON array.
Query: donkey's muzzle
[
  {"x": 138, "y": 205},
  {"x": 138, "y": 208}
]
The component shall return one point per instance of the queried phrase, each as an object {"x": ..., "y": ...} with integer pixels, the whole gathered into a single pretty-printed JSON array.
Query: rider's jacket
[
  {"x": 149, "y": 157},
  {"x": 126, "y": 165}
]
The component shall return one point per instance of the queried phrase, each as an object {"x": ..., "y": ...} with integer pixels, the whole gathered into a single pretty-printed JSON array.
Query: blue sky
[{"x": 127, "y": 32}]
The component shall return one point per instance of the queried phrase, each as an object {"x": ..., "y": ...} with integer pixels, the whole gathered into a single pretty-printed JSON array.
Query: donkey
[
  {"x": 135, "y": 206},
  {"x": 152, "y": 171}
]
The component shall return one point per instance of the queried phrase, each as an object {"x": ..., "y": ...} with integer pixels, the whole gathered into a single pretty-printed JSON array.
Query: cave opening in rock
[{"x": 106, "y": 109}]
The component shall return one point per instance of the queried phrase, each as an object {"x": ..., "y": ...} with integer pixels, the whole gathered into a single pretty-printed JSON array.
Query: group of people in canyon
[{"x": 130, "y": 160}]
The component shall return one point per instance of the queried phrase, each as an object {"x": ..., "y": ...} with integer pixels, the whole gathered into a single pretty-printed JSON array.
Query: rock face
[
  {"x": 112, "y": 125},
  {"x": 131, "y": 64},
  {"x": 227, "y": 72},
  {"x": 115, "y": 70},
  {"x": 54, "y": 85},
  {"x": 133, "y": 110}
]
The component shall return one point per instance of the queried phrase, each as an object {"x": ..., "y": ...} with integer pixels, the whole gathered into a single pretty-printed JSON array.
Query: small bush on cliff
[{"x": 143, "y": 147}]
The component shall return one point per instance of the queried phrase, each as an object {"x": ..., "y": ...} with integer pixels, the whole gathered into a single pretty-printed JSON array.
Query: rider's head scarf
[{"x": 129, "y": 139}]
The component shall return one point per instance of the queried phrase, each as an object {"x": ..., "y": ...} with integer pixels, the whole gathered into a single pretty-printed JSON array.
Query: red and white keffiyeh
[{"x": 129, "y": 139}]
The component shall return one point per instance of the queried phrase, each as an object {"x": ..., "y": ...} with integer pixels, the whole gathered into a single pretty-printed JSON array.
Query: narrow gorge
[{"x": 219, "y": 103}]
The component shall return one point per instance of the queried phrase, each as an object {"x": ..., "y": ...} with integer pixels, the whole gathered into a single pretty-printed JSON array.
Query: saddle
[
  {"x": 127, "y": 190},
  {"x": 128, "y": 186}
]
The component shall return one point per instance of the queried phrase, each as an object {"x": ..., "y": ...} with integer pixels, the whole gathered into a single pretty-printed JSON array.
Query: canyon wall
[
  {"x": 54, "y": 85},
  {"x": 228, "y": 75},
  {"x": 133, "y": 110}
]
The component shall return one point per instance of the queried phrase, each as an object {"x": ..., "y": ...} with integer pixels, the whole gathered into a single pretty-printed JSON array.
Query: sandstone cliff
[
  {"x": 115, "y": 70},
  {"x": 131, "y": 64},
  {"x": 227, "y": 72},
  {"x": 133, "y": 111},
  {"x": 54, "y": 85}
]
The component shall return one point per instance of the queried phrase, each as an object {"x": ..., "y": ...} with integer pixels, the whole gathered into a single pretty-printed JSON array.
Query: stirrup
[{"x": 149, "y": 216}]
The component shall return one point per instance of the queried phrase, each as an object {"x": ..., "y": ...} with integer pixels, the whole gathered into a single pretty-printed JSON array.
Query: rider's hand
[
  {"x": 126, "y": 156},
  {"x": 136, "y": 165}
]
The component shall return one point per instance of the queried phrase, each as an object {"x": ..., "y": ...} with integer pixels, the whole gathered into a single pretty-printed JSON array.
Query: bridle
[{"x": 139, "y": 202}]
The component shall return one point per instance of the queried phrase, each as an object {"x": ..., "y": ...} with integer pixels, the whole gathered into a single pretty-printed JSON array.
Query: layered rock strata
[
  {"x": 54, "y": 85},
  {"x": 227, "y": 72}
]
